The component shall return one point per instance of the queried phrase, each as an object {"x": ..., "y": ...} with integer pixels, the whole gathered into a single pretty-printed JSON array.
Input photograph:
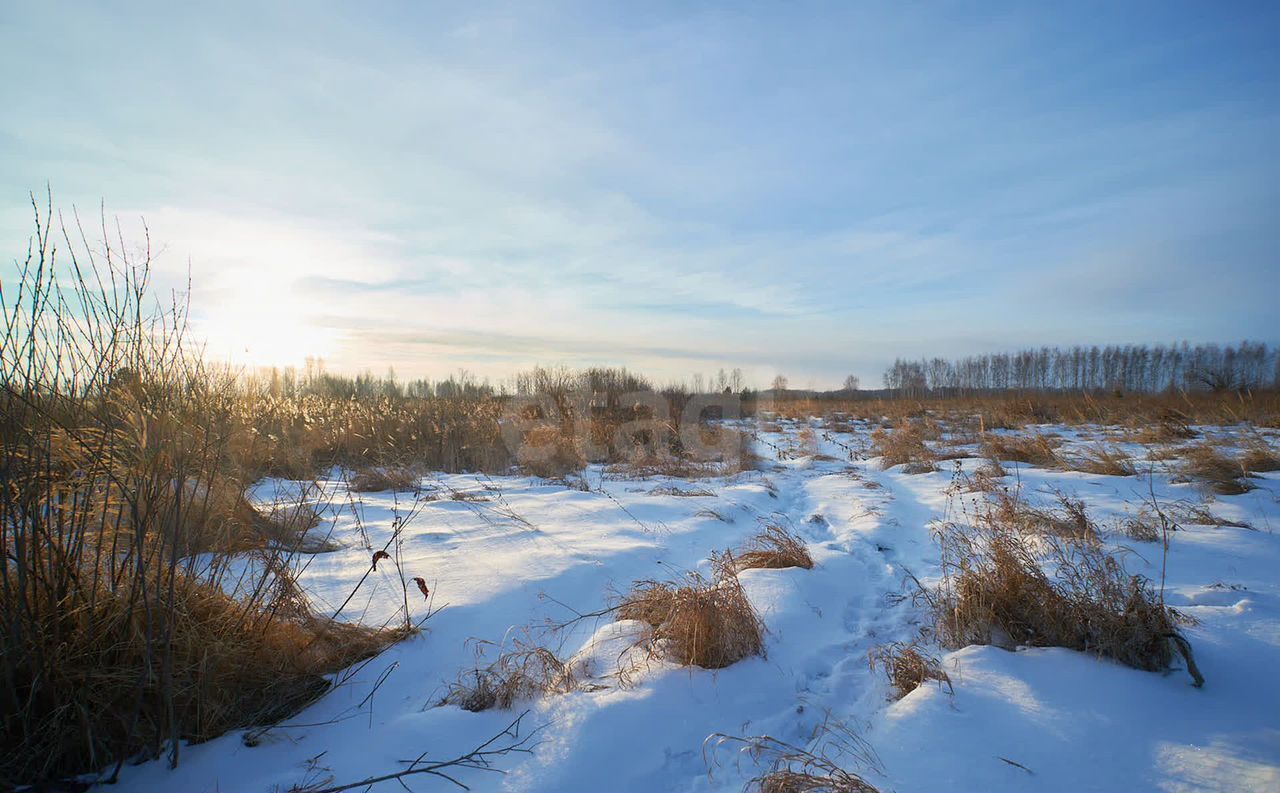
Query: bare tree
[
  {"x": 779, "y": 383},
  {"x": 851, "y": 383}
]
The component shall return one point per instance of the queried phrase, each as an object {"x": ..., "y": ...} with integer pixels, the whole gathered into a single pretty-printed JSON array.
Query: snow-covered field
[{"x": 519, "y": 555}]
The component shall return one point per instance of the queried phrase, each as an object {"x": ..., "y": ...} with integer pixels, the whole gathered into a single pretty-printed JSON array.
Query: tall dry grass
[
  {"x": 1174, "y": 413},
  {"x": 144, "y": 601}
]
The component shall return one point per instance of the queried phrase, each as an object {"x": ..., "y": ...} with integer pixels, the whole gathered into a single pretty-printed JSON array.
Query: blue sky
[{"x": 805, "y": 188}]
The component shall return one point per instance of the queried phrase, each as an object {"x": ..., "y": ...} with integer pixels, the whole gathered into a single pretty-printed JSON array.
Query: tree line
[{"x": 1130, "y": 367}]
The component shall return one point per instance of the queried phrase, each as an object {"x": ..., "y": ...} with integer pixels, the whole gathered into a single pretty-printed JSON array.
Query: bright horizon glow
[
  {"x": 803, "y": 190},
  {"x": 254, "y": 340}
]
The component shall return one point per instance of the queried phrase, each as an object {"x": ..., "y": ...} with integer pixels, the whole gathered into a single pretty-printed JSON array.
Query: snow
[{"x": 529, "y": 553}]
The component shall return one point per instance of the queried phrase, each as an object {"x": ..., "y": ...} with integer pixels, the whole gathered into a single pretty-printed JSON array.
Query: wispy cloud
[{"x": 437, "y": 186}]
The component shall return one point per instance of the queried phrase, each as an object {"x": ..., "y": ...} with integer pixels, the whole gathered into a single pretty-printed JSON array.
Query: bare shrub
[
  {"x": 1035, "y": 449},
  {"x": 696, "y": 622},
  {"x": 906, "y": 666},
  {"x": 1223, "y": 475},
  {"x": 773, "y": 548},
  {"x": 378, "y": 478}
]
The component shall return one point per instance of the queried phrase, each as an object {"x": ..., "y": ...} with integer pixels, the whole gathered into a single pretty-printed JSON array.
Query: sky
[{"x": 810, "y": 189}]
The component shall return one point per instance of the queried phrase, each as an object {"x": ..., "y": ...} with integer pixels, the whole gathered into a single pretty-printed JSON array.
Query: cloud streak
[{"x": 804, "y": 189}]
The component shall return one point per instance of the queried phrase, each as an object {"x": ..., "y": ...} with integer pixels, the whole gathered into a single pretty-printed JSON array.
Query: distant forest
[{"x": 1131, "y": 367}]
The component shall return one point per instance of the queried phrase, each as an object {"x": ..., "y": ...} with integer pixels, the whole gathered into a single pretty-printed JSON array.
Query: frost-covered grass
[{"x": 536, "y": 570}]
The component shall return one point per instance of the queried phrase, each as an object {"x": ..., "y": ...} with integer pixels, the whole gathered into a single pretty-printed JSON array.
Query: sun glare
[{"x": 264, "y": 337}]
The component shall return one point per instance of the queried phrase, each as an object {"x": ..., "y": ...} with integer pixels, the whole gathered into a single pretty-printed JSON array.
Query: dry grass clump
[
  {"x": 469, "y": 496},
  {"x": 1221, "y": 474},
  {"x": 1192, "y": 514},
  {"x": 728, "y": 451},
  {"x": 903, "y": 446},
  {"x": 378, "y": 478},
  {"x": 550, "y": 453},
  {"x": 1260, "y": 457},
  {"x": 696, "y": 622},
  {"x": 788, "y": 781},
  {"x": 1167, "y": 426},
  {"x": 995, "y": 591},
  {"x": 1034, "y": 449},
  {"x": 1104, "y": 460},
  {"x": 1068, "y": 520},
  {"x": 795, "y": 769},
  {"x": 525, "y": 672},
  {"x": 687, "y": 449},
  {"x": 1144, "y": 527},
  {"x": 644, "y": 462},
  {"x": 708, "y": 512},
  {"x": 1163, "y": 453},
  {"x": 907, "y": 667},
  {"x": 1153, "y": 522},
  {"x": 773, "y": 548},
  {"x": 681, "y": 492}
]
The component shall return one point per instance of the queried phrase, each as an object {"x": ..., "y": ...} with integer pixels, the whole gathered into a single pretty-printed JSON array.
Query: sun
[{"x": 260, "y": 335}]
